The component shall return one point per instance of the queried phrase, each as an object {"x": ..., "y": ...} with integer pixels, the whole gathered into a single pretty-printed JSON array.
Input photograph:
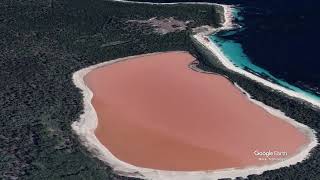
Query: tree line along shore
[{"x": 43, "y": 42}]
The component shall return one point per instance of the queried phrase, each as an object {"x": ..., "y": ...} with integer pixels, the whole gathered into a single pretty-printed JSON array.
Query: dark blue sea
[{"x": 279, "y": 40}]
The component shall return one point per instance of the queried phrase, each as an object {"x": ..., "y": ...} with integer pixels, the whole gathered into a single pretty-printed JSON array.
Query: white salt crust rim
[{"x": 88, "y": 122}]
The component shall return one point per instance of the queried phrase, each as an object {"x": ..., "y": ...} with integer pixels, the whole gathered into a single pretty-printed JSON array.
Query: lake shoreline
[{"x": 88, "y": 122}]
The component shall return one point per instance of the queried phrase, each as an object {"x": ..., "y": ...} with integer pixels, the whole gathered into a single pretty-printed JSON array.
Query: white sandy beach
[
  {"x": 202, "y": 38},
  {"x": 88, "y": 121}
]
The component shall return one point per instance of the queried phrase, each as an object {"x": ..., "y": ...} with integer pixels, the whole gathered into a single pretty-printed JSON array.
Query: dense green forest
[
  {"x": 42, "y": 42},
  {"x": 299, "y": 110}
]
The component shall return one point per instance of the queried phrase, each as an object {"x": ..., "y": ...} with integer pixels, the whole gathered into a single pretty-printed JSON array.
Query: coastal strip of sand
[
  {"x": 227, "y": 25},
  {"x": 88, "y": 124},
  {"x": 85, "y": 127}
]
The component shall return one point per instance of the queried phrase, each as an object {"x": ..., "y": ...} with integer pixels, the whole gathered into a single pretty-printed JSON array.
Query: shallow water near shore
[
  {"x": 227, "y": 41},
  {"x": 234, "y": 52},
  {"x": 279, "y": 37}
]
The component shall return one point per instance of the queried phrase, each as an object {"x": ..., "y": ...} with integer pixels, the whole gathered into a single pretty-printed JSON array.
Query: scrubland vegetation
[{"x": 42, "y": 42}]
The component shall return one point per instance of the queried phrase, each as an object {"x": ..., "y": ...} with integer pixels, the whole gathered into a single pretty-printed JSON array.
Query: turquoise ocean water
[{"x": 234, "y": 52}]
